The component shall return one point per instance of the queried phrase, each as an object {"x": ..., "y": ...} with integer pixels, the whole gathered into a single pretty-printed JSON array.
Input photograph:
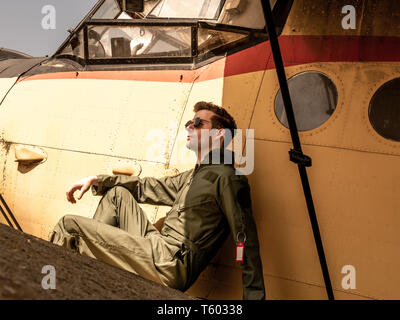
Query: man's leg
[
  {"x": 136, "y": 246},
  {"x": 119, "y": 208}
]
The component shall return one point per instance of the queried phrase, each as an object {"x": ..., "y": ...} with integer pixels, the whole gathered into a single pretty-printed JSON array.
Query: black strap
[
  {"x": 296, "y": 154},
  {"x": 5, "y": 216},
  {"x": 9, "y": 213}
]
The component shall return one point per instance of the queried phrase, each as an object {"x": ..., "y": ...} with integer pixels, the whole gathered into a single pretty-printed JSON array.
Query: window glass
[
  {"x": 200, "y": 9},
  {"x": 139, "y": 41},
  {"x": 108, "y": 10},
  {"x": 248, "y": 14},
  {"x": 75, "y": 46},
  {"x": 314, "y": 99},
  {"x": 209, "y": 39},
  {"x": 124, "y": 15},
  {"x": 384, "y": 110}
]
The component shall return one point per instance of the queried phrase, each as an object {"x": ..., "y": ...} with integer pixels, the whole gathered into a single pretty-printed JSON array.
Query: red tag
[{"x": 239, "y": 252}]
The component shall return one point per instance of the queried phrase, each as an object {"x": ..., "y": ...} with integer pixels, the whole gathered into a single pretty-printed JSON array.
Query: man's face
[{"x": 196, "y": 139}]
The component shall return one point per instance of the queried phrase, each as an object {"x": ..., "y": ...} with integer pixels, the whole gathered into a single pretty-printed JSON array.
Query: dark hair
[{"x": 221, "y": 119}]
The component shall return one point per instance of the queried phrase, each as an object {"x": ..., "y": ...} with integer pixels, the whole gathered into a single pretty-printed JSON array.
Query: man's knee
[
  {"x": 70, "y": 223},
  {"x": 118, "y": 193},
  {"x": 108, "y": 210},
  {"x": 65, "y": 230}
]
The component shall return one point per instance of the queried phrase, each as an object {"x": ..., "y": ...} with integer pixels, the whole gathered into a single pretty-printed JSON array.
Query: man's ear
[
  {"x": 221, "y": 135},
  {"x": 221, "y": 132}
]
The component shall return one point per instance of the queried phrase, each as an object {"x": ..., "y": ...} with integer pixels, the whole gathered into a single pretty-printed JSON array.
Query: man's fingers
[
  {"x": 82, "y": 185},
  {"x": 83, "y": 190},
  {"x": 70, "y": 192}
]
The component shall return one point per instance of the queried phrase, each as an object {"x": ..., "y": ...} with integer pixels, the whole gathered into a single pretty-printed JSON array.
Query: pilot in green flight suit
[{"x": 207, "y": 203}]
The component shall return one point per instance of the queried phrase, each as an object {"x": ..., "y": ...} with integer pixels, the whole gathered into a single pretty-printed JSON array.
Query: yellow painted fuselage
[{"x": 92, "y": 122}]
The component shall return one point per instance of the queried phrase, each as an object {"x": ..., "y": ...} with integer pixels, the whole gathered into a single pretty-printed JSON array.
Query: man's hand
[{"x": 83, "y": 185}]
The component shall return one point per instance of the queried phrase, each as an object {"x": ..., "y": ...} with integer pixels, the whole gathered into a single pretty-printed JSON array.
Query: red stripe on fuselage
[
  {"x": 295, "y": 50},
  {"x": 308, "y": 49}
]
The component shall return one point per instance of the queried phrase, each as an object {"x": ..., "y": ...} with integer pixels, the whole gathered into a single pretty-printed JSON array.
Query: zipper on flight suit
[
  {"x": 190, "y": 180},
  {"x": 181, "y": 209},
  {"x": 188, "y": 183}
]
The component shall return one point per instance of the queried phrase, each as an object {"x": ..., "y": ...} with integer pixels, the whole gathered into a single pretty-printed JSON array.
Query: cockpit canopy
[
  {"x": 165, "y": 31},
  {"x": 244, "y": 13},
  {"x": 196, "y": 9}
]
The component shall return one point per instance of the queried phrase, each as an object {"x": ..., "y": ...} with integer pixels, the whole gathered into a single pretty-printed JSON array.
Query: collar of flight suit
[{"x": 226, "y": 156}]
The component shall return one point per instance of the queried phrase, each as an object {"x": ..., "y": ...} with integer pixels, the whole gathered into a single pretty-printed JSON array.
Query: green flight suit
[{"x": 207, "y": 203}]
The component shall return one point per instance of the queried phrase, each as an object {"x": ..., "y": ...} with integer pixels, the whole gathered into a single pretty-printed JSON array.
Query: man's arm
[
  {"x": 236, "y": 205},
  {"x": 160, "y": 191},
  {"x": 149, "y": 190}
]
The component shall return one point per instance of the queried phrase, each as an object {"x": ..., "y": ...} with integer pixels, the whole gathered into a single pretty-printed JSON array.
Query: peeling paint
[{"x": 5, "y": 145}]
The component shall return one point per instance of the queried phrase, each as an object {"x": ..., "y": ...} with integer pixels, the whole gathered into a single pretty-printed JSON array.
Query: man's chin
[{"x": 190, "y": 145}]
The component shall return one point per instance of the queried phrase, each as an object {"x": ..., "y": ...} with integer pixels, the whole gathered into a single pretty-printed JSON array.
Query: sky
[{"x": 23, "y": 26}]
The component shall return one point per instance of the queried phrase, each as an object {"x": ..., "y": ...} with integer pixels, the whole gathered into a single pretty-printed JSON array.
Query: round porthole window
[
  {"x": 314, "y": 98},
  {"x": 384, "y": 110}
]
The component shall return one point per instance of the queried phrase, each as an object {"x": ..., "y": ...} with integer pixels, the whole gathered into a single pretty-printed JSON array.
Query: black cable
[
  {"x": 5, "y": 216},
  {"x": 296, "y": 155},
  {"x": 9, "y": 212}
]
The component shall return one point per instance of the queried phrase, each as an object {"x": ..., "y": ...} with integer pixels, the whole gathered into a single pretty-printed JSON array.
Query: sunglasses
[{"x": 196, "y": 123}]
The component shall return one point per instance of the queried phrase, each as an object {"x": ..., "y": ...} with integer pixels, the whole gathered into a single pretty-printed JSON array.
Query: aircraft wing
[{"x": 12, "y": 65}]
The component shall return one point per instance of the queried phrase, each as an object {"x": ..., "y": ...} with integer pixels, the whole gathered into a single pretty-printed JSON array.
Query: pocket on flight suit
[
  {"x": 171, "y": 270},
  {"x": 208, "y": 213},
  {"x": 163, "y": 251},
  {"x": 196, "y": 215},
  {"x": 200, "y": 204}
]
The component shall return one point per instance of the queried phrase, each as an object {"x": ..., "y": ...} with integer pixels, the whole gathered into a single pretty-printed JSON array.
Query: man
[{"x": 207, "y": 203}]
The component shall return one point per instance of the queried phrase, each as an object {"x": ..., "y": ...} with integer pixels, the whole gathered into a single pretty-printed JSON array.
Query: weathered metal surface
[
  {"x": 353, "y": 178},
  {"x": 373, "y": 18}
]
